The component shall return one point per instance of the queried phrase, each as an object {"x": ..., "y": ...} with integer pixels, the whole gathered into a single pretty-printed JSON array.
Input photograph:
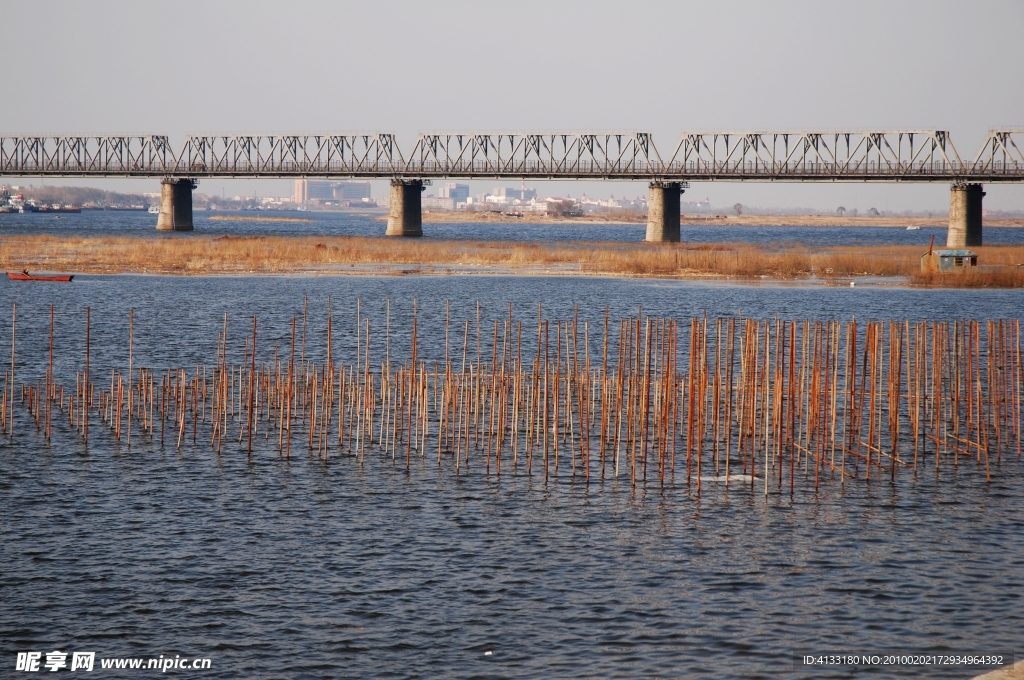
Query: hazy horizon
[{"x": 380, "y": 188}]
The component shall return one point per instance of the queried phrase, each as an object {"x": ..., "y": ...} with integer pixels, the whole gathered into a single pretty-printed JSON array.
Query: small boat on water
[
  {"x": 23, "y": 275},
  {"x": 153, "y": 210},
  {"x": 913, "y": 228}
]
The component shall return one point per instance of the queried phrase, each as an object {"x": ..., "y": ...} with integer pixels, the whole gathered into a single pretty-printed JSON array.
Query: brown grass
[
  {"x": 624, "y": 216},
  {"x": 974, "y": 277},
  {"x": 199, "y": 254}
]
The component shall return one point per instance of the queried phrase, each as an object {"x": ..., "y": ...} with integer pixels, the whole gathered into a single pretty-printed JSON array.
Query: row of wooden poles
[{"x": 739, "y": 400}]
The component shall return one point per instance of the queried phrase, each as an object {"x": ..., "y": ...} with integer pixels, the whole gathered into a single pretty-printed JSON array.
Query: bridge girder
[
  {"x": 903, "y": 155},
  {"x": 536, "y": 154},
  {"x": 831, "y": 156},
  {"x": 83, "y": 155}
]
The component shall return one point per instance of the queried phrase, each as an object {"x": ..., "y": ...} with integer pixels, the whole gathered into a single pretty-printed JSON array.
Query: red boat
[{"x": 23, "y": 275}]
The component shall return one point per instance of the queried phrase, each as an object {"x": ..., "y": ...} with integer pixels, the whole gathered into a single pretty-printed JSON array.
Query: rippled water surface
[
  {"x": 300, "y": 568},
  {"x": 372, "y": 224}
]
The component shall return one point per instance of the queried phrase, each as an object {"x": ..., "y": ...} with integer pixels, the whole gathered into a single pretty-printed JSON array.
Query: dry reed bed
[
  {"x": 980, "y": 277},
  {"x": 197, "y": 254}
]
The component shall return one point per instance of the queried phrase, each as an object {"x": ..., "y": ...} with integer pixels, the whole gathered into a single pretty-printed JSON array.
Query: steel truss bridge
[{"x": 879, "y": 156}]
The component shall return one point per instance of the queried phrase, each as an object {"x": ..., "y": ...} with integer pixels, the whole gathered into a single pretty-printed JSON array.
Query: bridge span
[{"x": 835, "y": 156}]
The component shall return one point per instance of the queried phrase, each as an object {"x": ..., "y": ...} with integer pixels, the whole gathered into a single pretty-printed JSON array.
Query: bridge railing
[
  {"x": 288, "y": 168},
  {"x": 874, "y": 169},
  {"x": 698, "y": 168},
  {"x": 582, "y": 168}
]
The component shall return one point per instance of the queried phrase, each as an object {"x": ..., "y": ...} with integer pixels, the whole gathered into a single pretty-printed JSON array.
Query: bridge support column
[
  {"x": 175, "y": 205},
  {"x": 964, "y": 216},
  {"x": 406, "y": 218},
  {"x": 663, "y": 212}
]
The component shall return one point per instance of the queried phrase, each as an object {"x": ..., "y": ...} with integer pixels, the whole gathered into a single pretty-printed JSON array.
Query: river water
[
  {"x": 300, "y": 568},
  {"x": 130, "y": 223}
]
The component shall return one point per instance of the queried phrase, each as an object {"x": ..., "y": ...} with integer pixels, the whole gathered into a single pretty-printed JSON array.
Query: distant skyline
[
  {"x": 598, "y": 190},
  {"x": 405, "y": 67}
]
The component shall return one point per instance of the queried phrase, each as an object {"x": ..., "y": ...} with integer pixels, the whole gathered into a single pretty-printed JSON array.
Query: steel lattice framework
[
  {"x": 130, "y": 156},
  {"x": 629, "y": 155},
  {"x": 874, "y": 156},
  {"x": 375, "y": 155},
  {"x": 802, "y": 156}
]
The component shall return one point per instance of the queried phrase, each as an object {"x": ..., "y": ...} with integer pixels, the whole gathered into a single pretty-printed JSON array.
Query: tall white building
[
  {"x": 328, "y": 190},
  {"x": 458, "y": 192},
  {"x": 511, "y": 194}
]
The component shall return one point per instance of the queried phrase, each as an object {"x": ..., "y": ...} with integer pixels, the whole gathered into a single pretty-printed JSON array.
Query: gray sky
[{"x": 408, "y": 67}]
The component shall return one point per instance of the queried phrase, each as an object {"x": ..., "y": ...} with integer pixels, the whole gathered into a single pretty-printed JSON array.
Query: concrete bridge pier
[
  {"x": 175, "y": 204},
  {"x": 406, "y": 218},
  {"x": 663, "y": 212},
  {"x": 964, "y": 216}
]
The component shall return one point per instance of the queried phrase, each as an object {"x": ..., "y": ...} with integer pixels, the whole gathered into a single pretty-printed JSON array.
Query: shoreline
[
  {"x": 823, "y": 221},
  {"x": 397, "y": 271},
  {"x": 162, "y": 254},
  {"x": 258, "y": 218}
]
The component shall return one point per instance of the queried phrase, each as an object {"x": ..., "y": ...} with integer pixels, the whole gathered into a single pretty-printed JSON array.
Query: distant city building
[
  {"x": 439, "y": 203},
  {"x": 350, "y": 191},
  {"x": 457, "y": 192},
  {"x": 319, "y": 190},
  {"x": 326, "y": 190},
  {"x": 511, "y": 194}
]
